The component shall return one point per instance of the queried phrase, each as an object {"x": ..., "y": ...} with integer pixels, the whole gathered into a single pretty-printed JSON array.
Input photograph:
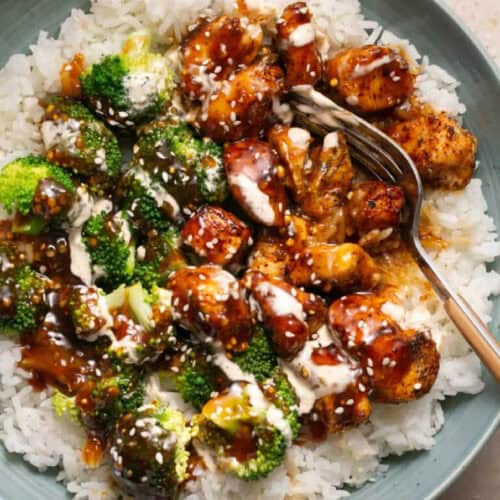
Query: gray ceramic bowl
[{"x": 431, "y": 27}]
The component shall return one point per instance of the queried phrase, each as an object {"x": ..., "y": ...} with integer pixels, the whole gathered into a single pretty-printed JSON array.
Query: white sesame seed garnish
[
  {"x": 339, "y": 410},
  {"x": 417, "y": 386}
]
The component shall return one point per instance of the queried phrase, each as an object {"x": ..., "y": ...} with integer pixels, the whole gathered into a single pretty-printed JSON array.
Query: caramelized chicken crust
[
  {"x": 216, "y": 236},
  {"x": 334, "y": 268},
  {"x": 252, "y": 175},
  {"x": 399, "y": 365},
  {"x": 370, "y": 78},
  {"x": 374, "y": 205},
  {"x": 444, "y": 152},
  {"x": 213, "y": 50},
  {"x": 269, "y": 256},
  {"x": 319, "y": 178},
  {"x": 290, "y": 313},
  {"x": 210, "y": 302},
  {"x": 298, "y": 45},
  {"x": 241, "y": 106}
]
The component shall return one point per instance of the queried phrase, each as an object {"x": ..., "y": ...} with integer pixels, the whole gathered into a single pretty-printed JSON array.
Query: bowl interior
[{"x": 469, "y": 421}]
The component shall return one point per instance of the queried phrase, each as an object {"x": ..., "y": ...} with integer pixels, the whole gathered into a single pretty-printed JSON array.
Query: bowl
[{"x": 470, "y": 421}]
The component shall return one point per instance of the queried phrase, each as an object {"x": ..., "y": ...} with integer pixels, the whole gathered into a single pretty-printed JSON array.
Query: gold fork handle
[
  {"x": 475, "y": 332},
  {"x": 470, "y": 325}
]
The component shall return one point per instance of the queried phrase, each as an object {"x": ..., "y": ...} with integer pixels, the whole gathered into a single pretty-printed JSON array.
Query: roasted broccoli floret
[
  {"x": 280, "y": 392},
  {"x": 113, "y": 397},
  {"x": 146, "y": 200},
  {"x": 37, "y": 191},
  {"x": 159, "y": 257},
  {"x": 22, "y": 294},
  {"x": 190, "y": 167},
  {"x": 143, "y": 323},
  {"x": 88, "y": 309},
  {"x": 76, "y": 140},
  {"x": 241, "y": 414},
  {"x": 150, "y": 452},
  {"x": 259, "y": 359},
  {"x": 130, "y": 87},
  {"x": 65, "y": 405},
  {"x": 109, "y": 242},
  {"x": 195, "y": 376}
]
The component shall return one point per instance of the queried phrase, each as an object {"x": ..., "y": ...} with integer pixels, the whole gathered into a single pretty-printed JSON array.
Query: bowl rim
[{"x": 495, "y": 69}]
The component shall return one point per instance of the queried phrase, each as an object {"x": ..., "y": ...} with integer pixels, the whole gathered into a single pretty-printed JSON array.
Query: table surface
[{"x": 481, "y": 480}]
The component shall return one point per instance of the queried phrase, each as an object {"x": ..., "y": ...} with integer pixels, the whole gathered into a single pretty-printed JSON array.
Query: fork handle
[
  {"x": 475, "y": 332},
  {"x": 470, "y": 325}
]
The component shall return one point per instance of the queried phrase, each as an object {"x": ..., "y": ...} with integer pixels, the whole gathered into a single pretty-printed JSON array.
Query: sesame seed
[
  {"x": 339, "y": 410},
  {"x": 417, "y": 386},
  {"x": 159, "y": 458}
]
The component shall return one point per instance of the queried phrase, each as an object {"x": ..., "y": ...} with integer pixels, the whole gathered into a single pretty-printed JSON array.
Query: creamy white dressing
[
  {"x": 62, "y": 134},
  {"x": 261, "y": 406},
  {"x": 157, "y": 192},
  {"x": 331, "y": 140},
  {"x": 323, "y": 379},
  {"x": 302, "y": 35},
  {"x": 257, "y": 202},
  {"x": 232, "y": 370},
  {"x": 80, "y": 265},
  {"x": 302, "y": 388},
  {"x": 300, "y": 137},
  {"x": 123, "y": 227},
  {"x": 281, "y": 302},
  {"x": 361, "y": 70},
  {"x": 142, "y": 87}
]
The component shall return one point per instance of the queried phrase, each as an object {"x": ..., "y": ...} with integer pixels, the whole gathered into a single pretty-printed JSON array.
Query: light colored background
[{"x": 481, "y": 480}]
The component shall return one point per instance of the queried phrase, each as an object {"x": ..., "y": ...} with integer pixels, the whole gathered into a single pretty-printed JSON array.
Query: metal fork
[{"x": 387, "y": 161}]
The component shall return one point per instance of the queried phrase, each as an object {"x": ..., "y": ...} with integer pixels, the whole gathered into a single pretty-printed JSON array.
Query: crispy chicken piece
[
  {"x": 289, "y": 313},
  {"x": 374, "y": 213},
  {"x": 292, "y": 145},
  {"x": 370, "y": 78},
  {"x": 242, "y": 105},
  {"x": 374, "y": 205},
  {"x": 213, "y": 50},
  {"x": 334, "y": 267},
  {"x": 217, "y": 236},
  {"x": 210, "y": 302},
  {"x": 400, "y": 365},
  {"x": 333, "y": 397},
  {"x": 444, "y": 153},
  {"x": 319, "y": 180},
  {"x": 297, "y": 39},
  {"x": 269, "y": 256},
  {"x": 252, "y": 175}
]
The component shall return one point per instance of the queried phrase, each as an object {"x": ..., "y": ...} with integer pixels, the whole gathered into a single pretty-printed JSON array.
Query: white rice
[{"x": 315, "y": 471}]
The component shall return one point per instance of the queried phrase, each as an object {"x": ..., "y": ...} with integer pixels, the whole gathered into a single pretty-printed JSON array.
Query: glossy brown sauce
[{"x": 70, "y": 76}]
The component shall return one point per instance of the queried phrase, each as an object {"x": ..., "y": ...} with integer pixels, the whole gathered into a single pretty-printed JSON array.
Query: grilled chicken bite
[
  {"x": 216, "y": 235},
  {"x": 333, "y": 398},
  {"x": 298, "y": 47},
  {"x": 290, "y": 314},
  {"x": 242, "y": 105},
  {"x": 370, "y": 78},
  {"x": 334, "y": 267},
  {"x": 213, "y": 50},
  {"x": 320, "y": 178},
  {"x": 209, "y": 301},
  {"x": 269, "y": 256},
  {"x": 444, "y": 152},
  {"x": 252, "y": 175},
  {"x": 374, "y": 212},
  {"x": 399, "y": 365}
]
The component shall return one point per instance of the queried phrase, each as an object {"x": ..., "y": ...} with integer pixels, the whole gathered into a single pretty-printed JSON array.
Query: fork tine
[{"x": 375, "y": 162}]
